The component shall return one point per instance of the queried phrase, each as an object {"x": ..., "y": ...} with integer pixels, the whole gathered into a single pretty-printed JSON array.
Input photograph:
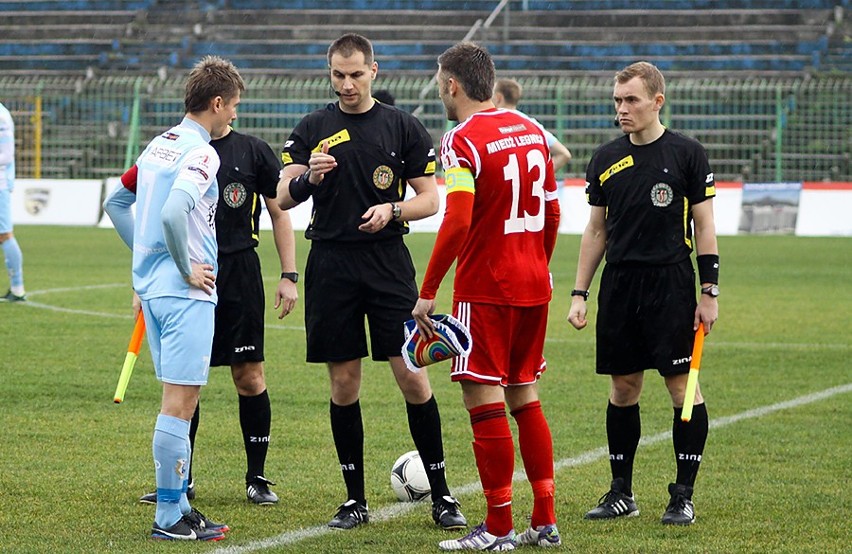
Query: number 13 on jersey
[{"x": 517, "y": 221}]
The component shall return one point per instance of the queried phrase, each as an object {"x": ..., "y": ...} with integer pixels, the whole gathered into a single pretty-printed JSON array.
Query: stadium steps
[{"x": 44, "y": 6}]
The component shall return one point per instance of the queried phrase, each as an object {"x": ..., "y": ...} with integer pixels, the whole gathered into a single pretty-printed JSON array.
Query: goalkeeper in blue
[{"x": 173, "y": 239}]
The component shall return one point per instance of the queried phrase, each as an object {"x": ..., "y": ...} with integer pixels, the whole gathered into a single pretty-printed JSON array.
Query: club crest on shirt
[
  {"x": 383, "y": 177},
  {"x": 234, "y": 195},
  {"x": 661, "y": 195}
]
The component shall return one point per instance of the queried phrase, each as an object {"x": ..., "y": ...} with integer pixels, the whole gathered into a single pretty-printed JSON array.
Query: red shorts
[{"x": 508, "y": 344}]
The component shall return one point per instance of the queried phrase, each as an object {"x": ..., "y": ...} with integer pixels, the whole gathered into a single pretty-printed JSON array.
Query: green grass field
[{"x": 776, "y": 375}]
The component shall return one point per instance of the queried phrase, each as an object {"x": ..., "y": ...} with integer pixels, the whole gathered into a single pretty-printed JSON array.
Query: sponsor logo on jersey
[
  {"x": 162, "y": 155},
  {"x": 512, "y": 129},
  {"x": 620, "y": 165},
  {"x": 234, "y": 194},
  {"x": 333, "y": 140},
  {"x": 430, "y": 168},
  {"x": 168, "y": 135},
  {"x": 196, "y": 169},
  {"x": 383, "y": 177},
  {"x": 661, "y": 195},
  {"x": 710, "y": 189}
]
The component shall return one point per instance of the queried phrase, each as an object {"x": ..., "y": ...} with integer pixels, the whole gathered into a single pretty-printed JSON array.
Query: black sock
[
  {"x": 688, "y": 439},
  {"x": 255, "y": 422},
  {"x": 347, "y": 429},
  {"x": 193, "y": 429},
  {"x": 424, "y": 423},
  {"x": 623, "y": 430}
]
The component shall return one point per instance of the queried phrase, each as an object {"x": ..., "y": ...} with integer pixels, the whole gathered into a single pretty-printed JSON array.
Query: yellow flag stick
[
  {"x": 130, "y": 359},
  {"x": 692, "y": 380}
]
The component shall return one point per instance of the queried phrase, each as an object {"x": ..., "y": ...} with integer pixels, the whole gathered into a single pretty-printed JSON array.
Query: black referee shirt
[
  {"x": 248, "y": 169},
  {"x": 377, "y": 152},
  {"x": 648, "y": 191}
]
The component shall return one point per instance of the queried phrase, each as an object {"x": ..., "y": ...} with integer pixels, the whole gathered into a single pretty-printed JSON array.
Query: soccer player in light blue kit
[
  {"x": 507, "y": 95},
  {"x": 11, "y": 250},
  {"x": 173, "y": 239}
]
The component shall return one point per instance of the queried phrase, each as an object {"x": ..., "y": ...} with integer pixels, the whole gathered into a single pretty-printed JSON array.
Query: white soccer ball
[{"x": 408, "y": 478}]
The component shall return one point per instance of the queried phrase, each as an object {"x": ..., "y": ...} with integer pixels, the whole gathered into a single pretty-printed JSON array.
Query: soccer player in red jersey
[{"x": 501, "y": 221}]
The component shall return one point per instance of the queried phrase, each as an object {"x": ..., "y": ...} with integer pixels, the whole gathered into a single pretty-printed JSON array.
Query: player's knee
[
  {"x": 249, "y": 378},
  {"x": 415, "y": 387},
  {"x": 625, "y": 390}
]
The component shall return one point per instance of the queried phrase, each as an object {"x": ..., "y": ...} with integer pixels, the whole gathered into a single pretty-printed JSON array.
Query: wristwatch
[
  {"x": 583, "y": 293},
  {"x": 712, "y": 291},
  {"x": 397, "y": 210},
  {"x": 291, "y": 275}
]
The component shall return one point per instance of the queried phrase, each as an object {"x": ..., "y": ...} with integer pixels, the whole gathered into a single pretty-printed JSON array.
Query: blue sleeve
[
  {"x": 117, "y": 207},
  {"x": 175, "y": 216}
]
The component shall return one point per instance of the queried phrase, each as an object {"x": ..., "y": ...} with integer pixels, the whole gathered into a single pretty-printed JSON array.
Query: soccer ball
[{"x": 408, "y": 478}]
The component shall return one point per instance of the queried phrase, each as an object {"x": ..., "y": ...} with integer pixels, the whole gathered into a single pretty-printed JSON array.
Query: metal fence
[{"x": 754, "y": 130}]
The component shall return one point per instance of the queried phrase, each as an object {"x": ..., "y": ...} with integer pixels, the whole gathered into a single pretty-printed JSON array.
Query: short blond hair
[
  {"x": 510, "y": 89},
  {"x": 651, "y": 76},
  {"x": 211, "y": 77}
]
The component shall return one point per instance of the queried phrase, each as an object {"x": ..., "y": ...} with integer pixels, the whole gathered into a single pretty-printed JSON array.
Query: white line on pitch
[
  {"x": 395, "y": 510},
  {"x": 49, "y": 307},
  {"x": 590, "y": 340}
]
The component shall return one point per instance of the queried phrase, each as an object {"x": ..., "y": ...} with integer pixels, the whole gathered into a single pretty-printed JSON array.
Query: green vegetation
[{"x": 73, "y": 463}]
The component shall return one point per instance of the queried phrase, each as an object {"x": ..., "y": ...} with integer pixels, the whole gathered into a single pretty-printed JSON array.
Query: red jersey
[{"x": 502, "y": 211}]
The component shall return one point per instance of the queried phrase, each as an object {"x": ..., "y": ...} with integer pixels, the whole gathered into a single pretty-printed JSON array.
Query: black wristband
[
  {"x": 578, "y": 292},
  {"x": 291, "y": 275},
  {"x": 300, "y": 188},
  {"x": 708, "y": 268}
]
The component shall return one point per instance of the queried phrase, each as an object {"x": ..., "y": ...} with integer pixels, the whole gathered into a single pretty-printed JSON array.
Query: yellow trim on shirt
[
  {"x": 333, "y": 140},
  {"x": 620, "y": 165},
  {"x": 685, "y": 223}
]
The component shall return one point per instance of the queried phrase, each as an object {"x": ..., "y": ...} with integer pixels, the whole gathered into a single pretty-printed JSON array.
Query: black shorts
[
  {"x": 645, "y": 317},
  {"x": 344, "y": 283},
  {"x": 239, "y": 313}
]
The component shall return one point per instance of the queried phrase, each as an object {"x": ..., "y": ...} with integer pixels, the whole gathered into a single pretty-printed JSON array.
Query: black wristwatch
[
  {"x": 583, "y": 293},
  {"x": 397, "y": 210},
  {"x": 712, "y": 291},
  {"x": 291, "y": 275}
]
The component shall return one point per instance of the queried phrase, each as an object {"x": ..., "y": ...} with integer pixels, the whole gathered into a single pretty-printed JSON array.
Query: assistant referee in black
[
  {"x": 647, "y": 189},
  {"x": 355, "y": 158}
]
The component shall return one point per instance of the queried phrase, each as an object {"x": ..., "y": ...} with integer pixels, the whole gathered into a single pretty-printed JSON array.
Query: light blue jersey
[
  {"x": 7, "y": 168},
  {"x": 180, "y": 158},
  {"x": 7, "y": 150},
  {"x": 548, "y": 136}
]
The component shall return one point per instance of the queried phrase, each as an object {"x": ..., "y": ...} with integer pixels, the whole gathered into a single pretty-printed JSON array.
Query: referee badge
[
  {"x": 383, "y": 177},
  {"x": 661, "y": 195},
  {"x": 234, "y": 195}
]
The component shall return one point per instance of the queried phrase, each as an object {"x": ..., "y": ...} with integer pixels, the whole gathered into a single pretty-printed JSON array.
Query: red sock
[
  {"x": 537, "y": 452},
  {"x": 494, "y": 450}
]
